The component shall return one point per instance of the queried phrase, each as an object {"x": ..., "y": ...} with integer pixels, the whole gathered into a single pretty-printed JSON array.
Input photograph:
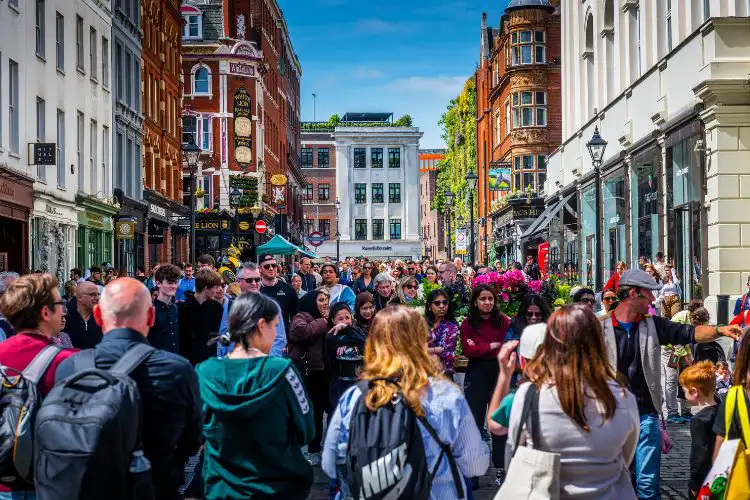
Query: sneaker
[
  {"x": 674, "y": 419},
  {"x": 315, "y": 459},
  {"x": 499, "y": 477}
]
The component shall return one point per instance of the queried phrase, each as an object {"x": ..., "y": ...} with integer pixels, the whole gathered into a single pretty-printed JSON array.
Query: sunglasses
[
  {"x": 268, "y": 266},
  {"x": 533, "y": 315},
  {"x": 251, "y": 280},
  {"x": 410, "y": 287},
  {"x": 588, "y": 301},
  {"x": 440, "y": 302},
  {"x": 608, "y": 299}
]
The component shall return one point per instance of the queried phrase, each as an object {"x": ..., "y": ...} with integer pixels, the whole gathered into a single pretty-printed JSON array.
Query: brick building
[
  {"x": 431, "y": 223},
  {"x": 160, "y": 102},
  {"x": 241, "y": 107},
  {"x": 519, "y": 122},
  {"x": 318, "y": 159}
]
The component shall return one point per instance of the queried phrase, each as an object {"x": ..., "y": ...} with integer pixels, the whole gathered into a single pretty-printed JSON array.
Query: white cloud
[
  {"x": 448, "y": 85},
  {"x": 366, "y": 72}
]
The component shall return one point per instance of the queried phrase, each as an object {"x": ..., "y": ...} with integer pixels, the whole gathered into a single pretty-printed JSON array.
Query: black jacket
[
  {"x": 359, "y": 285},
  {"x": 83, "y": 334},
  {"x": 172, "y": 415},
  {"x": 198, "y": 324},
  {"x": 308, "y": 281},
  {"x": 165, "y": 334}
]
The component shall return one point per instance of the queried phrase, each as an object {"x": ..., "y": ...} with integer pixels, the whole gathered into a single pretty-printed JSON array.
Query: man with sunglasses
[
  {"x": 272, "y": 286},
  {"x": 633, "y": 340},
  {"x": 585, "y": 296},
  {"x": 80, "y": 323}
]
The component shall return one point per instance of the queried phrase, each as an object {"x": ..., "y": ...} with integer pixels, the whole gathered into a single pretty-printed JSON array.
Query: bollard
[{"x": 722, "y": 309}]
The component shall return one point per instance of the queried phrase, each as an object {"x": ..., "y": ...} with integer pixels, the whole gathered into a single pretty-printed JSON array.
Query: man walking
[
  {"x": 80, "y": 324},
  {"x": 273, "y": 287},
  {"x": 200, "y": 317},
  {"x": 249, "y": 279},
  {"x": 305, "y": 272},
  {"x": 164, "y": 334},
  {"x": 187, "y": 284}
]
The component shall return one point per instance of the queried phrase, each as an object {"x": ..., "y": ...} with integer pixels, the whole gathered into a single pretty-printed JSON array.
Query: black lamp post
[
  {"x": 449, "y": 196},
  {"x": 483, "y": 225},
  {"x": 471, "y": 183},
  {"x": 596, "y": 147},
  {"x": 235, "y": 197},
  {"x": 191, "y": 152},
  {"x": 338, "y": 233}
]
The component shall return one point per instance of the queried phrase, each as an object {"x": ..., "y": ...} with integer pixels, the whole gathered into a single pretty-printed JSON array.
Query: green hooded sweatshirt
[{"x": 257, "y": 417}]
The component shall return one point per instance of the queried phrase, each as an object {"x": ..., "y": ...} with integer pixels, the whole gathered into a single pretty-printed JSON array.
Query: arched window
[
  {"x": 201, "y": 81},
  {"x": 609, "y": 48},
  {"x": 588, "y": 57}
]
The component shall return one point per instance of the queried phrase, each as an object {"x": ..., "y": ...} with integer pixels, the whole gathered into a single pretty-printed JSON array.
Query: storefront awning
[{"x": 544, "y": 219}]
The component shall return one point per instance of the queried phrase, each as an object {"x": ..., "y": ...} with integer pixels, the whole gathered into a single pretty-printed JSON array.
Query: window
[
  {"x": 309, "y": 226},
  {"x": 394, "y": 192},
  {"x": 40, "y": 24},
  {"x": 79, "y": 150},
  {"x": 93, "y": 135},
  {"x": 307, "y": 194},
  {"x": 360, "y": 157},
  {"x": 137, "y": 84},
  {"x": 323, "y": 158},
  {"x": 79, "y": 43},
  {"x": 541, "y": 162},
  {"x": 128, "y": 78},
  {"x": 41, "y": 106},
  {"x": 323, "y": 192},
  {"x": 118, "y": 70},
  {"x": 706, "y": 9},
  {"x": 524, "y": 50},
  {"x": 13, "y": 110},
  {"x": 668, "y": 26},
  {"x": 307, "y": 158},
  {"x": 324, "y": 227},
  {"x": 206, "y": 142},
  {"x": 360, "y": 193},
  {"x": 394, "y": 157},
  {"x": 360, "y": 229},
  {"x": 60, "y": 149},
  {"x": 376, "y": 157},
  {"x": 189, "y": 130},
  {"x": 529, "y": 172},
  {"x": 378, "y": 229},
  {"x": 129, "y": 167},
  {"x": 377, "y": 192},
  {"x": 93, "y": 65},
  {"x": 395, "y": 229},
  {"x": 529, "y": 109},
  {"x": 105, "y": 62},
  {"x": 193, "y": 29},
  {"x": 105, "y": 159},
  {"x": 201, "y": 81},
  {"x": 59, "y": 41}
]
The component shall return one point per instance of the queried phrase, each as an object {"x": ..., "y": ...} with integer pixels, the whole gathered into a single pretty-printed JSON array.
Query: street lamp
[
  {"x": 191, "y": 152},
  {"x": 483, "y": 224},
  {"x": 449, "y": 196},
  {"x": 596, "y": 147},
  {"x": 338, "y": 234},
  {"x": 235, "y": 197},
  {"x": 471, "y": 183}
]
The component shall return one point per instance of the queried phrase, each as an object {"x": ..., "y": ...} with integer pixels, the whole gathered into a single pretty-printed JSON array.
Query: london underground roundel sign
[{"x": 316, "y": 239}]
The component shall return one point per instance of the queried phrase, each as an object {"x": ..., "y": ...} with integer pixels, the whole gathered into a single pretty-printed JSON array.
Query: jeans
[
  {"x": 316, "y": 383},
  {"x": 17, "y": 495},
  {"x": 671, "y": 386},
  {"x": 647, "y": 461},
  {"x": 479, "y": 383}
]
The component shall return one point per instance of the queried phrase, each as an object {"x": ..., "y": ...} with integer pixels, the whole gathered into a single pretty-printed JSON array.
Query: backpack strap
[
  {"x": 531, "y": 394},
  {"x": 131, "y": 359},
  {"x": 38, "y": 366},
  {"x": 445, "y": 451}
]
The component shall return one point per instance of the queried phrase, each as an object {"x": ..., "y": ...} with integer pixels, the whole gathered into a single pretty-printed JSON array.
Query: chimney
[{"x": 484, "y": 42}]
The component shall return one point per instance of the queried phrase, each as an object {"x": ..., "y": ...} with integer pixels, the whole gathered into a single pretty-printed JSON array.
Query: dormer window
[{"x": 193, "y": 28}]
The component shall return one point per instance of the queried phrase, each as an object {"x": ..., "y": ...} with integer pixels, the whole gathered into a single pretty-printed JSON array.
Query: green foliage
[
  {"x": 459, "y": 132},
  {"x": 404, "y": 121},
  {"x": 334, "y": 120}
]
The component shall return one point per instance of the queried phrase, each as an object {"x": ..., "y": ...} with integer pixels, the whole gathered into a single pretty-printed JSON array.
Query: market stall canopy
[{"x": 278, "y": 245}]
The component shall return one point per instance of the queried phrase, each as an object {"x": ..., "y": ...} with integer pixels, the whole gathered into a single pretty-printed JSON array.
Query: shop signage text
[
  {"x": 43, "y": 153},
  {"x": 125, "y": 230},
  {"x": 157, "y": 210},
  {"x": 241, "y": 69},
  {"x": 95, "y": 220},
  {"x": 682, "y": 171},
  {"x": 377, "y": 247},
  {"x": 212, "y": 225},
  {"x": 52, "y": 210},
  {"x": 7, "y": 190},
  {"x": 243, "y": 113}
]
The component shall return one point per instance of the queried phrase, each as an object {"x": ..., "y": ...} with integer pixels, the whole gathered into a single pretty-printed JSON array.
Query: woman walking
[
  {"x": 257, "y": 415},
  {"x": 443, "y": 329},
  {"x": 669, "y": 295},
  {"x": 585, "y": 415},
  {"x": 482, "y": 333},
  {"x": 364, "y": 310}
]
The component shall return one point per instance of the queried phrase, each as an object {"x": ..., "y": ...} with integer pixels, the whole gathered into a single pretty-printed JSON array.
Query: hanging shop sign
[
  {"x": 243, "y": 126},
  {"x": 42, "y": 153},
  {"x": 155, "y": 233},
  {"x": 499, "y": 177},
  {"x": 278, "y": 192},
  {"x": 461, "y": 241},
  {"x": 125, "y": 230},
  {"x": 249, "y": 188}
]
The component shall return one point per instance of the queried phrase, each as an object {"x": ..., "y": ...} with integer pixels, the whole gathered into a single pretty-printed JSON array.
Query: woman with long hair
[
  {"x": 585, "y": 414},
  {"x": 257, "y": 415},
  {"x": 614, "y": 279},
  {"x": 669, "y": 295},
  {"x": 366, "y": 282},
  {"x": 532, "y": 310},
  {"x": 345, "y": 345},
  {"x": 430, "y": 276},
  {"x": 406, "y": 291},
  {"x": 364, "y": 310},
  {"x": 443, "y": 328},
  {"x": 482, "y": 333},
  {"x": 306, "y": 347},
  {"x": 396, "y": 349}
]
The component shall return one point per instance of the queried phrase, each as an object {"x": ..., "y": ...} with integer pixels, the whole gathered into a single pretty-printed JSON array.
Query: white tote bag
[{"x": 532, "y": 474}]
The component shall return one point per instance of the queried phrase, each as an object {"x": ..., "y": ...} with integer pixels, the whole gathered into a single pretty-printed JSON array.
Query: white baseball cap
[{"x": 531, "y": 339}]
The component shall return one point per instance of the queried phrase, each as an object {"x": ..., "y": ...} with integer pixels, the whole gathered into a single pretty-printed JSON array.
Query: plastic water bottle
[
  {"x": 139, "y": 464},
  {"x": 140, "y": 476}
]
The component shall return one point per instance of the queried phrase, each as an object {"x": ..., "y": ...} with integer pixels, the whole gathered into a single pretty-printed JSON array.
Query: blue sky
[{"x": 401, "y": 56}]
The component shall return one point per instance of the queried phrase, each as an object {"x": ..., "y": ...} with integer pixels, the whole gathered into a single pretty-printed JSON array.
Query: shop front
[
  {"x": 509, "y": 224},
  {"x": 645, "y": 193},
  {"x": 53, "y": 240},
  {"x": 615, "y": 221},
  {"x": 94, "y": 236},
  {"x": 16, "y": 204},
  {"x": 130, "y": 235},
  {"x": 166, "y": 240},
  {"x": 384, "y": 249},
  {"x": 214, "y": 233}
]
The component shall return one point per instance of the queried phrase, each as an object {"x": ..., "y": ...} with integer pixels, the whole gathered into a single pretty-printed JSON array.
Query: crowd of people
[{"x": 247, "y": 385}]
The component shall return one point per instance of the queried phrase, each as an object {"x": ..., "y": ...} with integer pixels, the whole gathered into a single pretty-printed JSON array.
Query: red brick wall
[{"x": 317, "y": 176}]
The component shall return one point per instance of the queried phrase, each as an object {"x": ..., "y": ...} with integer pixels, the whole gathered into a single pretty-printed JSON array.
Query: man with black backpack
[{"x": 164, "y": 399}]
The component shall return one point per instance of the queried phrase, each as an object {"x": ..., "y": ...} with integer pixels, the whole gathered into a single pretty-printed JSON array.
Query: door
[{"x": 688, "y": 241}]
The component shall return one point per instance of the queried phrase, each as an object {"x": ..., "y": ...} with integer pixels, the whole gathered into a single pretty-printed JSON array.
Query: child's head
[
  {"x": 722, "y": 367},
  {"x": 699, "y": 382}
]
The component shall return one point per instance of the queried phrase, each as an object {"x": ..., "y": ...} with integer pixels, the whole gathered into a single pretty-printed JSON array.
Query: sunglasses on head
[{"x": 251, "y": 280}]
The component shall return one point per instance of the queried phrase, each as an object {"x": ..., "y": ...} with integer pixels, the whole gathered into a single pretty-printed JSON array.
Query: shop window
[
  {"x": 377, "y": 192},
  {"x": 395, "y": 229},
  {"x": 527, "y": 47},
  {"x": 360, "y": 229},
  {"x": 378, "y": 229},
  {"x": 360, "y": 193},
  {"x": 306, "y": 158},
  {"x": 529, "y": 109},
  {"x": 645, "y": 208},
  {"x": 589, "y": 261},
  {"x": 614, "y": 208},
  {"x": 360, "y": 157}
]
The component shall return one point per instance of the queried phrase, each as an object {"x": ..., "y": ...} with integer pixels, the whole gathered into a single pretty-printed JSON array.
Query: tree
[
  {"x": 334, "y": 120},
  {"x": 404, "y": 121}
]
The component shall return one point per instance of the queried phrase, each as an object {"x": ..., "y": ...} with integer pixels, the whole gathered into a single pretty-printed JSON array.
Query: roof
[
  {"x": 529, "y": 4},
  {"x": 366, "y": 117}
]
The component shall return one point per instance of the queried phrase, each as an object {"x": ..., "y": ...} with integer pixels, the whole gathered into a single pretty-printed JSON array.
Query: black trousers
[
  {"x": 318, "y": 390},
  {"x": 479, "y": 383}
]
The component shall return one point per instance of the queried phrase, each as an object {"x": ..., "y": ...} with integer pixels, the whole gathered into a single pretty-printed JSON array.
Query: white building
[
  {"x": 55, "y": 82},
  {"x": 377, "y": 184},
  {"x": 667, "y": 83}
]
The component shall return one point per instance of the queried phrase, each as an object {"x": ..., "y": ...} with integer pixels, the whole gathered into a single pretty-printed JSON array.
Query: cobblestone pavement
[{"x": 674, "y": 471}]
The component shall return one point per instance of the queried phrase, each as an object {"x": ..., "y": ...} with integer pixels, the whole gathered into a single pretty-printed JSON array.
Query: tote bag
[
  {"x": 532, "y": 474},
  {"x": 729, "y": 477}
]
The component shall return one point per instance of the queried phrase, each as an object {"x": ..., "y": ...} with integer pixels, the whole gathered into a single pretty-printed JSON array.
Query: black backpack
[
  {"x": 19, "y": 405},
  {"x": 88, "y": 433},
  {"x": 386, "y": 457}
]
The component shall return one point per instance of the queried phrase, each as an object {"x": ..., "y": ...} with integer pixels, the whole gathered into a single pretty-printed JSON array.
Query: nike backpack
[
  {"x": 88, "y": 434},
  {"x": 386, "y": 456}
]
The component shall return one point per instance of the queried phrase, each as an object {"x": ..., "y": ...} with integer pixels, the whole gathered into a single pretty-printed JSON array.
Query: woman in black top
[
  {"x": 345, "y": 348},
  {"x": 364, "y": 310},
  {"x": 366, "y": 283}
]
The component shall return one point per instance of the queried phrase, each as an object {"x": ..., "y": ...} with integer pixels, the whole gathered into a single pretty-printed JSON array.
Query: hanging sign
[
  {"x": 461, "y": 241},
  {"x": 243, "y": 126}
]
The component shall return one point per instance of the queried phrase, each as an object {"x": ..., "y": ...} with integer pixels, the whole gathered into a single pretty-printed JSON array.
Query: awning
[
  {"x": 278, "y": 245},
  {"x": 544, "y": 219}
]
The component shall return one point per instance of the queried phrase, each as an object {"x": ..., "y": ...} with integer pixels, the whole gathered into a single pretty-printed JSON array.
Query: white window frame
[
  {"x": 79, "y": 45},
  {"x": 105, "y": 160},
  {"x": 204, "y": 123},
  {"x": 59, "y": 41},
  {"x": 60, "y": 149},
  {"x": 40, "y": 28},
  {"x": 193, "y": 80},
  {"x": 80, "y": 139},
  {"x": 516, "y": 46},
  {"x": 93, "y": 63},
  {"x": 198, "y": 21},
  {"x": 41, "y": 131},
  {"x": 105, "y": 62},
  {"x": 185, "y": 129},
  {"x": 14, "y": 118},
  {"x": 517, "y": 107}
]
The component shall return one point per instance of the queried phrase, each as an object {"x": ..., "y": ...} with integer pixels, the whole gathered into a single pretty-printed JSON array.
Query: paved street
[{"x": 674, "y": 470}]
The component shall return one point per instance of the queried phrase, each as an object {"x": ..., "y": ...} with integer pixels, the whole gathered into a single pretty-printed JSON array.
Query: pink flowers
[
  {"x": 508, "y": 282},
  {"x": 535, "y": 286}
]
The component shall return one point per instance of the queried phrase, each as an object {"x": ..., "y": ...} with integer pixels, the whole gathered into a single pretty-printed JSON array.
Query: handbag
[
  {"x": 535, "y": 473},
  {"x": 666, "y": 442},
  {"x": 729, "y": 477}
]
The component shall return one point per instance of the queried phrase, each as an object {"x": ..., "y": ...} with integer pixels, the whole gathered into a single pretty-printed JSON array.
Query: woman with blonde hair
[
  {"x": 406, "y": 291},
  {"x": 397, "y": 363}
]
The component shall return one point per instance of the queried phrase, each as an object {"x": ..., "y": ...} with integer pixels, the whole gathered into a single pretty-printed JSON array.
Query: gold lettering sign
[{"x": 208, "y": 225}]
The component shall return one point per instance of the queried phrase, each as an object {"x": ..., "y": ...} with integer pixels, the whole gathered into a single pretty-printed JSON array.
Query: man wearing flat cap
[{"x": 634, "y": 341}]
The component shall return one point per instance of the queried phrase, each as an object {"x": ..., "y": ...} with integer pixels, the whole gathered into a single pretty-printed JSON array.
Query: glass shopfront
[
  {"x": 614, "y": 233},
  {"x": 644, "y": 188},
  {"x": 588, "y": 235}
]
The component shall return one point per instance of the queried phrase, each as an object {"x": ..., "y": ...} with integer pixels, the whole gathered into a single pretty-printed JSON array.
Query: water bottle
[{"x": 140, "y": 477}]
